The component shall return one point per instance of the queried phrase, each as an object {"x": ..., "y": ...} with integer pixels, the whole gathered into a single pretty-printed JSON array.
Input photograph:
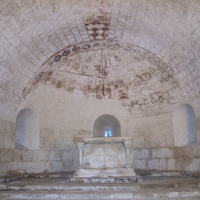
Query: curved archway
[
  {"x": 184, "y": 123},
  {"x": 27, "y": 130},
  {"x": 105, "y": 122}
]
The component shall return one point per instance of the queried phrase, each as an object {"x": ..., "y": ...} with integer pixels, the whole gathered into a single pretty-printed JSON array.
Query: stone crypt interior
[{"x": 100, "y": 99}]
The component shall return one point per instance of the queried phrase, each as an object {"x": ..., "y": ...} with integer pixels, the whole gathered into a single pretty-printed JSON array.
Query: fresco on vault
[{"x": 110, "y": 70}]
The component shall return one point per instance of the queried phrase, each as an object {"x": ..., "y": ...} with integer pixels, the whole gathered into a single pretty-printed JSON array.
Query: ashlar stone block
[
  {"x": 27, "y": 155},
  {"x": 139, "y": 164},
  {"x": 141, "y": 154},
  {"x": 153, "y": 164},
  {"x": 162, "y": 153},
  {"x": 55, "y": 155}
]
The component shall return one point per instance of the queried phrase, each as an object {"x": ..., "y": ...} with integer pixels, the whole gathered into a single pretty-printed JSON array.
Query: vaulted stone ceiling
[
  {"x": 111, "y": 70},
  {"x": 157, "y": 42}
]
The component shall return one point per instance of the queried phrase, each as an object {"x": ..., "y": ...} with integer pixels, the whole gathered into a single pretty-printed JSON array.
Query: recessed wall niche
[
  {"x": 105, "y": 122},
  {"x": 27, "y": 130},
  {"x": 184, "y": 123}
]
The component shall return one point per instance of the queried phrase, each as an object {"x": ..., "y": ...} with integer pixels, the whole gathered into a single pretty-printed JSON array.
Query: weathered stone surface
[
  {"x": 104, "y": 155},
  {"x": 55, "y": 155},
  {"x": 103, "y": 175},
  {"x": 152, "y": 187},
  {"x": 102, "y": 139},
  {"x": 135, "y": 61},
  {"x": 2, "y": 180},
  {"x": 116, "y": 172},
  {"x": 162, "y": 153},
  {"x": 139, "y": 164},
  {"x": 141, "y": 154}
]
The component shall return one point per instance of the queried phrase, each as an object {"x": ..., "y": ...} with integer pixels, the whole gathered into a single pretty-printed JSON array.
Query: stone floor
[{"x": 152, "y": 185}]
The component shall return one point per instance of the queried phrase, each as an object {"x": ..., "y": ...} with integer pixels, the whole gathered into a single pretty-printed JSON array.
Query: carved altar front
[{"x": 109, "y": 156}]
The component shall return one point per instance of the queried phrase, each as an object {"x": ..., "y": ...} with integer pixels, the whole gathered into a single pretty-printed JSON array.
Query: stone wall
[
  {"x": 131, "y": 64},
  {"x": 33, "y": 161},
  {"x": 7, "y": 140},
  {"x": 64, "y": 115},
  {"x": 174, "y": 158},
  {"x": 7, "y": 134}
]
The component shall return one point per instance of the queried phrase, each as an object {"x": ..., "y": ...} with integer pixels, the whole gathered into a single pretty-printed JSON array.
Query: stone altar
[{"x": 104, "y": 156}]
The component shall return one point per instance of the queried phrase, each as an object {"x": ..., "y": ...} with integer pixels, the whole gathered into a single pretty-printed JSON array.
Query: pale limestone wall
[
  {"x": 49, "y": 27},
  {"x": 7, "y": 143},
  {"x": 35, "y": 50},
  {"x": 7, "y": 136},
  {"x": 64, "y": 115},
  {"x": 174, "y": 158}
]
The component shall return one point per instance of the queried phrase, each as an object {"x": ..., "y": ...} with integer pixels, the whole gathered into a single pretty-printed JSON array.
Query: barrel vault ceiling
[{"x": 34, "y": 32}]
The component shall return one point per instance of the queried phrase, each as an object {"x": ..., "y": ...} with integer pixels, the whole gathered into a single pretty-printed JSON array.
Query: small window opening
[{"x": 108, "y": 133}]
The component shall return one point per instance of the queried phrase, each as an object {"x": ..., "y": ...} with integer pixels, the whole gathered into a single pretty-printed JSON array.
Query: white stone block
[
  {"x": 194, "y": 165},
  {"x": 163, "y": 164},
  {"x": 104, "y": 155},
  {"x": 111, "y": 172},
  {"x": 27, "y": 155},
  {"x": 55, "y": 155},
  {"x": 57, "y": 166},
  {"x": 6, "y": 155},
  {"x": 139, "y": 142},
  {"x": 43, "y": 155},
  {"x": 17, "y": 155},
  {"x": 162, "y": 153},
  {"x": 141, "y": 154},
  {"x": 170, "y": 164},
  {"x": 103, "y": 175},
  {"x": 153, "y": 164},
  {"x": 139, "y": 164}
]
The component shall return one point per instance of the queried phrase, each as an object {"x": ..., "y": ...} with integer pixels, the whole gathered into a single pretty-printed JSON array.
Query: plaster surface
[
  {"x": 74, "y": 61},
  {"x": 35, "y": 31}
]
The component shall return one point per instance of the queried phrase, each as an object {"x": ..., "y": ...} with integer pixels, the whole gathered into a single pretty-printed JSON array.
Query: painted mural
[{"x": 110, "y": 70}]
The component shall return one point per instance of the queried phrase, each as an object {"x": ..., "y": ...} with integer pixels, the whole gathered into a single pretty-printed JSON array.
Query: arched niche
[
  {"x": 184, "y": 123},
  {"x": 27, "y": 130},
  {"x": 105, "y": 122}
]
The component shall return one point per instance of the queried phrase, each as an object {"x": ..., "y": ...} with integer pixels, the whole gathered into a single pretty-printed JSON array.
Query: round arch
[
  {"x": 104, "y": 122},
  {"x": 184, "y": 124},
  {"x": 27, "y": 130}
]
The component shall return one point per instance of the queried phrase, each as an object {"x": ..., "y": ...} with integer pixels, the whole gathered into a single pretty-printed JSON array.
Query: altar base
[
  {"x": 104, "y": 157},
  {"x": 114, "y": 172}
]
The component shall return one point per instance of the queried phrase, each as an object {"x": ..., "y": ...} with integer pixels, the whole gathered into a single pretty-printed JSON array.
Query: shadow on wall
[
  {"x": 105, "y": 122},
  {"x": 27, "y": 130},
  {"x": 184, "y": 123}
]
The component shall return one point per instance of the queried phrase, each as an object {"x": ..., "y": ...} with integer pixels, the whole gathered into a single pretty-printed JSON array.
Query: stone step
[
  {"x": 13, "y": 177},
  {"x": 62, "y": 184},
  {"x": 140, "y": 194},
  {"x": 72, "y": 187},
  {"x": 146, "y": 174}
]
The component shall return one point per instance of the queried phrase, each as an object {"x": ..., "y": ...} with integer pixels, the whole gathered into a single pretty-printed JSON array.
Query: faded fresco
[{"x": 110, "y": 70}]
